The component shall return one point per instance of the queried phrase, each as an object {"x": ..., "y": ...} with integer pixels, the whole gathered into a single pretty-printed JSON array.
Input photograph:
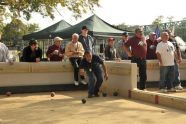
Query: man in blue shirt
[{"x": 91, "y": 64}]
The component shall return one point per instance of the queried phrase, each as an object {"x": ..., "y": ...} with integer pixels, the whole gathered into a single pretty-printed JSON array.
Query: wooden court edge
[{"x": 167, "y": 100}]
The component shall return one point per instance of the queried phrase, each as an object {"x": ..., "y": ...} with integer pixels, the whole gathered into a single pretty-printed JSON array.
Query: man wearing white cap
[{"x": 56, "y": 52}]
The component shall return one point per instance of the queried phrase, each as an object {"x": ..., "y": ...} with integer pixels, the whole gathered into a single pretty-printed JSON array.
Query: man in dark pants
[
  {"x": 91, "y": 64},
  {"x": 138, "y": 55},
  {"x": 74, "y": 51}
]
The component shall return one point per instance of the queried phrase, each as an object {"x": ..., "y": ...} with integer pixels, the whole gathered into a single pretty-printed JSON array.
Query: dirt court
[{"x": 66, "y": 108}]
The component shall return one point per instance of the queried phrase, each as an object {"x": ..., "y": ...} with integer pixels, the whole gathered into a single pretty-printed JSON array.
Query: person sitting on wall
[
  {"x": 4, "y": 53},
  {"x": 32, "y": 53},
  {"x": 74, "y": 51},
  {"x": 55, "y": 52},
  {"x": 110, "y": 50}
]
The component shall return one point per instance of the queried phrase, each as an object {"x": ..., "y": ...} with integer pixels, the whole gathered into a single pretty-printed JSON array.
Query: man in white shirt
[
  {"x": 165, "y": 54},
  {"x": 4, "y": 53}
]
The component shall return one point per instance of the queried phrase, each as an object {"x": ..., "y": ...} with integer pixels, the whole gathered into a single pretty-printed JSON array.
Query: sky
[{"x": 130, "y": 12}]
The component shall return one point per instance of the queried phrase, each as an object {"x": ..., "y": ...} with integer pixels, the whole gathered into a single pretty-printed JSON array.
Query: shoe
[
  {"x": 171, "y": 90},
  {"x": 163, "y": 90},
  {"x": 84, "y": 82},
  {"x": 76, "y": 83},
  {"x": 90, "y": 95},
  {"x": 179, "y": 87},
  {"x": 96, "y": 95}
]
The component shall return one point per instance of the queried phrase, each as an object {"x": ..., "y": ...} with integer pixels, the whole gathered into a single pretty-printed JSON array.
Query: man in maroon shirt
[
  {"x": 138, "y": 55},
  {"x": 56, "y": 52},
  {"x": 151, "y": 46}
]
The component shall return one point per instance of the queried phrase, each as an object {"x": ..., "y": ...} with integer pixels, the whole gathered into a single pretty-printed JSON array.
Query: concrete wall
[
  {"x": 153, "y": 73},
  {"x": 122, "y": 75}
]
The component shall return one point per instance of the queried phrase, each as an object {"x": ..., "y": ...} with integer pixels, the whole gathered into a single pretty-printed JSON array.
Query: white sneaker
[
  {"x": 179, "y": 87},
  {"x": 163, "y": 90},
  {"x": 171, "y": 90},
  {"x": 83, "y": 82},
  {"x": 76, "y": 83}
]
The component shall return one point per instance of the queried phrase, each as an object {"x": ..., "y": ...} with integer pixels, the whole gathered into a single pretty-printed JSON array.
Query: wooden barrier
[{"x": 159, "y": 98}]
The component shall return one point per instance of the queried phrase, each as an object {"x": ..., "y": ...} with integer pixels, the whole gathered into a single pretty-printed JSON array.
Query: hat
[
  {"x": 32, "y": 41},
  {"x": 84, "y": 27},
  {"x": 58, "y": 39},
  {"x": 152, "y": 33},
  {"x": 125, "y": 33}
]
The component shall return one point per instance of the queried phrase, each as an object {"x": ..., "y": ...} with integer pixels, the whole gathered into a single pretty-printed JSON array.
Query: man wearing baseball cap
[
  {"x": 86, "y": 40},
  {"x": 151, "y": 46},
  {"x": 119, "y": 46}
]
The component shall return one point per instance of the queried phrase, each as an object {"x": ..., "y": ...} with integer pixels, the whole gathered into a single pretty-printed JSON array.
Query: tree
[
  {"x": 158, "y": 20},
  {"x": 18, "y": 8},
  {"x": 13, "y": 32}
]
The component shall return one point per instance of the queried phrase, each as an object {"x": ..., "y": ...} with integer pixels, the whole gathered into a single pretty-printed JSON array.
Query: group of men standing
[
  {"x": 138, "y": 50},
  {"x": 166, "y": 51}
]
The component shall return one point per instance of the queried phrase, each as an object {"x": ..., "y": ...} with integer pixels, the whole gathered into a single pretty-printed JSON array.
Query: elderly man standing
[
  {"x": 177, "y": 61},
  {"x": 119, "y": 46},
  {"x": 56, "y": 52},
  {"x": 86, "y": 40},
  {"x": 151, "y": 46},
  {"x": 74, "y": 51},
  {"x": 165, "y": 54},
  {"x": 138, "y": 55},
  {"x": 110, "y": 50}
]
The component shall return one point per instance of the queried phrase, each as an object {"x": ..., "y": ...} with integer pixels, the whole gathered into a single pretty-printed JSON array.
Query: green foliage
[
  {"x": 18, "y": 8},
  {"x": 158, "y": 20},
  {"x": 13, "y": 32},
  {"x": 123, "y": 26}
]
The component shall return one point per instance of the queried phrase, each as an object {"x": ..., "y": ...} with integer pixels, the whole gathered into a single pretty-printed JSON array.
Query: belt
[{"x": 140, "y": 58}]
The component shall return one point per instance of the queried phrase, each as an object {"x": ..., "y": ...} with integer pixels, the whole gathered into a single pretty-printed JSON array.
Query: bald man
[{"x": 165, "y": 54}]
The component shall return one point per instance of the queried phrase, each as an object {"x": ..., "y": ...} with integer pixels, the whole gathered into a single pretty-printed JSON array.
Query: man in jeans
[
  {"x": 177, "y": 61},
  {"x": 138, "y": 53},
  {"x": 91, "y": 64},
  {"x": 165, "y": 54}
]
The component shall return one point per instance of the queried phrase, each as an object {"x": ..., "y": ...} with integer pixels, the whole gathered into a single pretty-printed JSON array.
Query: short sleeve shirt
[
  {"x": 138, "y": 50},
  {"x": 96, "y": 61},
  {"x": 166, "y": 50}
]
